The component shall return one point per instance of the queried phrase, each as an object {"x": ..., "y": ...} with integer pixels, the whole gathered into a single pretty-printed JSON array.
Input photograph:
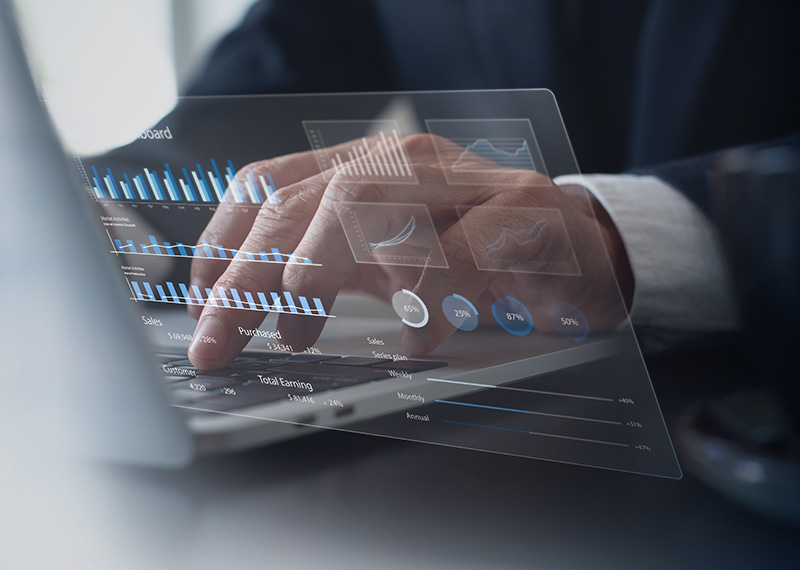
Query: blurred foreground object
[{"x": 746, "y": 445}]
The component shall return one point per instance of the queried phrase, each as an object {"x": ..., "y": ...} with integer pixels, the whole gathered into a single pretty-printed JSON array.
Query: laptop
[{"x": 519, "y": 374}]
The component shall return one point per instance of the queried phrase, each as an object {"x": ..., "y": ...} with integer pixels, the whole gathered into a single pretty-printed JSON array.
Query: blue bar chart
[
  {"x": 230, "y": 298},
  {"x": 205, "y": 250},
  {"x": 197, "y": 185}
]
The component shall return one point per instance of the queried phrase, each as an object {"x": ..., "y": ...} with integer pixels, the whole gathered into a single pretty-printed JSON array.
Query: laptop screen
[{"x": 399, "y": 264}]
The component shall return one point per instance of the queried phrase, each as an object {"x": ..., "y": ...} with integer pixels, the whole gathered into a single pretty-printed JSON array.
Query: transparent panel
[{"x": 397, "y": 264}]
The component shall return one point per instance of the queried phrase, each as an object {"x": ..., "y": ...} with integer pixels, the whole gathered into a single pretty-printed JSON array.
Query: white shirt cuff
[{"x": 682, "y": 286}]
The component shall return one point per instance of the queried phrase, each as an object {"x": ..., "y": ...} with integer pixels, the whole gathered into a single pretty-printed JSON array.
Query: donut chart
[{"x": 512, "y": 315}]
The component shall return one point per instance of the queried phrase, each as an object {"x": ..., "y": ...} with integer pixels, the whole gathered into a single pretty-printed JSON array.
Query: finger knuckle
[
  {"x": 281, "y": 221},
  {"x": 459, "y": 255},
  {"x": 342, "y": 188},
  {"x": 418, "y": 143}
]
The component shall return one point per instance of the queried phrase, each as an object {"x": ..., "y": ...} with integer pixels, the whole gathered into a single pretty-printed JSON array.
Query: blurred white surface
[{"x": 94, "y": 57}]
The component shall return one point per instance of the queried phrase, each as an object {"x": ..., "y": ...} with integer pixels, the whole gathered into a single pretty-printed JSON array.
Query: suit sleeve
[
  {"x": 300, "y": 46},
  {"x": 690, "y": 175}
]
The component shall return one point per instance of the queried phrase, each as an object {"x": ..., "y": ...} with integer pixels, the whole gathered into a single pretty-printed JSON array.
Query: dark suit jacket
[{"x": 652, "y": 86}]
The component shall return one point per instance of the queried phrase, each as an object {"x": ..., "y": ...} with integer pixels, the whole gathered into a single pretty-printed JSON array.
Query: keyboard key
[
  {"x": 225, "y": 374},
  {"x": 292, "y": 383},
  {"x": 168, "y": 378},
  {"x": 222, "y": 403},
  {"x": 357, "y": 361},
  {"x": 166, "y": 358},
  {"x": 256, "y": 388},
  {"x": 412, "y": 365},
  {"x": 178, "y": 370},
  {"x": 344, "y": 373},
  {"x": 205, "y": 383},
  {"x": 298, "y": 358},
  {"x": 255, "y": 365},
  {"x": 186, "y": 363},
  {"x": 186, "y": 395},
  {"x": 254, "y": 392}
]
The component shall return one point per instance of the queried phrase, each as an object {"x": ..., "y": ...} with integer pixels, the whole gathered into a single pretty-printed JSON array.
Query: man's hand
[{"x": 518, "y": 235}]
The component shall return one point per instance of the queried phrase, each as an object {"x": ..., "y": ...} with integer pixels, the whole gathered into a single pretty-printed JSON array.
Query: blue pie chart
[
  {"x": 512, "y": 315},
  {"x": 569, "y": 321},
  {"x": 460, "y": 312}
]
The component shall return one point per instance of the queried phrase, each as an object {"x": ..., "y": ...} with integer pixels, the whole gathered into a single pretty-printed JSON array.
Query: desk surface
[{"x": 336, "y": 500}]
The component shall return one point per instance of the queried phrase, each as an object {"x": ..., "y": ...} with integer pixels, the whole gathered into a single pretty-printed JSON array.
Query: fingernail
[
  {"x": 411, "y": 342},
  {"x": 208, "y": 343}
]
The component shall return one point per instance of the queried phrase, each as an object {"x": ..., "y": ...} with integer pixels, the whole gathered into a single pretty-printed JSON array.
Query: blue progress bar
[
  {"x": 464, "y": 383},
  {"x": 487, "y": 427},
  {"x": 483, "y": 406},
  {"x": 562, "y": 416},
  {"x": 614, "y": 443}
]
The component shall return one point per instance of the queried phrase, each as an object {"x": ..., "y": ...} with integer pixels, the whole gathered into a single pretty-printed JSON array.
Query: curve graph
[
  {"x": 505, "y": 152},
  {"x": 404, "y": 234},
  {"x": 520, "y": 237}
]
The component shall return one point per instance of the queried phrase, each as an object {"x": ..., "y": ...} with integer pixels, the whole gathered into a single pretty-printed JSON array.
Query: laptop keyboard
[{"x": 252, "y": 380}]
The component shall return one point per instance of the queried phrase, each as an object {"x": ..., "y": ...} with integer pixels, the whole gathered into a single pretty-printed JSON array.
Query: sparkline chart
[
  {"x": 229, "y": 298},
  {"x": 205, "y": 250}
]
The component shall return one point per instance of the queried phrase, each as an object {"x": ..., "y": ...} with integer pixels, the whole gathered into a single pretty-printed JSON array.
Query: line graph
[
  {"x": 391, "y": 234},
  {"x": 520, "y": 237},
  {"x": 505, "y": 152},
  {"x": 404, "y": 234},
  {"x": 205, "y": 250},
  {"x": 475, "y": 151},
  {"x": 524, "y": 240}
]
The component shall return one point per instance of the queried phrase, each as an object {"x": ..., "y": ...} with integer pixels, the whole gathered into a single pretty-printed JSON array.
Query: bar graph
[
  {"x": 385, "y": 158},
  {"x": 205, "y": 250},
  {"x": 228, "y": 298},
  {"x": 365, "y": 151},
  {"x": 198, "y": 185}
]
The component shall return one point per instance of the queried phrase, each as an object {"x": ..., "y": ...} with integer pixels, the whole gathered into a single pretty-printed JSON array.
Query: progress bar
[
  {"x": 614, "y": 443},
  {"x": 477, "y": 385},
  {"x": 529, "y": 412}
]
